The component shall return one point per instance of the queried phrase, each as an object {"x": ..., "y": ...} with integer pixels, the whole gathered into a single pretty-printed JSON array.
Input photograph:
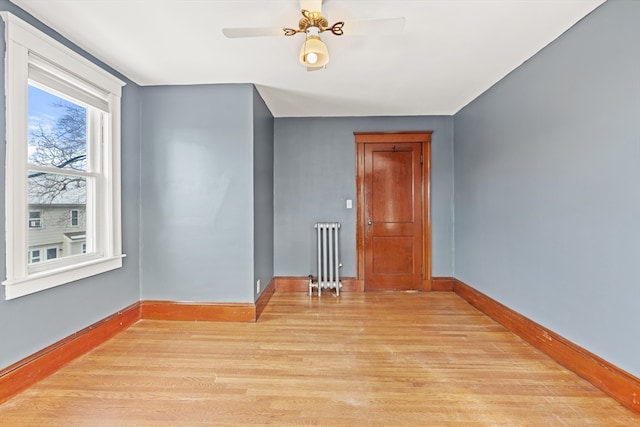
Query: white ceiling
[{"x": 449, "y": 52}]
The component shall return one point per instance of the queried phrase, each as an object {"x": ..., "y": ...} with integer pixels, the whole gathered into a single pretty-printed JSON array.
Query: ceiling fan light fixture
[{"x": 314, "y": 52}]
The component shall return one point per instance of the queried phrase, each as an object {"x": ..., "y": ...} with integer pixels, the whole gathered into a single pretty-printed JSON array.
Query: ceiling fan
[{"x": 314, "y": 53}]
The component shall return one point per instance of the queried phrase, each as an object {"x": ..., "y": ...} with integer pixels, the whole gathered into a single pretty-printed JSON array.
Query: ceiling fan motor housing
[{"x": 312, "y": 19}]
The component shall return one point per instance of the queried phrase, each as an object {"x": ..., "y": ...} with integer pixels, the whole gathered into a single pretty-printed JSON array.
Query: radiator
[{"x": 328, "y": 259}]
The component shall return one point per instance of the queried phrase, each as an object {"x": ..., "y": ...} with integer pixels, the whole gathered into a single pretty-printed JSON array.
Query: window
[
  {"x": 62, "y": 164},
  {"x": 52, "y": 253},
  {"x": 74, "y": 217},
  {"x": 34, "y": 256},
  {"x": 34, "y": 219}
]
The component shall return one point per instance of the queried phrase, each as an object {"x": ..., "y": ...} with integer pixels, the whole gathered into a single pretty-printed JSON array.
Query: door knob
[{"x": 369, "y": 223}]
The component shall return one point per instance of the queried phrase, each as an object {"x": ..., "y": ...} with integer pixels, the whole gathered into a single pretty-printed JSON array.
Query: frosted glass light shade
[{"x": 314, "y": 52}]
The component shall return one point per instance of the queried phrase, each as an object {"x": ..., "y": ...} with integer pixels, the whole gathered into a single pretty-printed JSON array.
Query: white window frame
[{"x": 29, "y": 52}]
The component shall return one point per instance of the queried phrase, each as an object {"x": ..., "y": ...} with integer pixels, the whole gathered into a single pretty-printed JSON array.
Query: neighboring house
[
  {"x": 57, "y": 218},
  {"x": 56, "y": 230}
]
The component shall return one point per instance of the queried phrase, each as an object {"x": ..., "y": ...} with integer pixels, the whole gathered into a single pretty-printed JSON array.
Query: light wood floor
[{"x": 363, "y": 359}]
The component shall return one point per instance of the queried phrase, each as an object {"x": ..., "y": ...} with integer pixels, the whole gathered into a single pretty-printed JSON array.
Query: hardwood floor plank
[{"x": 374, "y": 359}]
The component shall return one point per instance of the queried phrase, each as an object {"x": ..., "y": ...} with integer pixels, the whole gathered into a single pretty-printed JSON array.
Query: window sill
[{"x": 52, "y": 278}]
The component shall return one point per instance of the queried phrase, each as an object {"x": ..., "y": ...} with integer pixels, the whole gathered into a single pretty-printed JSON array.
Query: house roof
[
  {"x": 448, "y": 54},
  {"x": 47, "y": 190}
]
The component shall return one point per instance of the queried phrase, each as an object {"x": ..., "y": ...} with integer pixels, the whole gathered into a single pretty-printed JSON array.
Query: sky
[
  {"x": 43, "y": 110},
  {"x": 41, "y": 105}
]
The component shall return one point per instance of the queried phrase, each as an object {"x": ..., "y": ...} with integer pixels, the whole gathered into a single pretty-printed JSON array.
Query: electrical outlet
[{"x": 258, "y": 286}]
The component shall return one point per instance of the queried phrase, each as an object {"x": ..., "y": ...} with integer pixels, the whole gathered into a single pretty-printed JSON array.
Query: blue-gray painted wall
[
  {"x": 315, "y": 173},
  {"x": 197, "y": 193},
  {"x": 32, "y": 322},
  {"x": 262, "y": 193},
  {"x": 547, "y": 186}
]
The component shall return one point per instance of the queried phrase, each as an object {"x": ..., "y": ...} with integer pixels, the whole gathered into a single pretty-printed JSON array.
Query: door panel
[
  {"x": 393, "y": 216},
  {"x": 391, "y": 184},
  {"x": 392, "y": 254}
]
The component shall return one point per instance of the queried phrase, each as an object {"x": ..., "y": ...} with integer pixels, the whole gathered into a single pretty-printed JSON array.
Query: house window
[
  {"x": 63, "y": 148},
  {"x": 34, "y": 256},
  {"x": 52, "y": 253},
  {"x": 74, "y": 217},
  {"x": 34, "y": 219}
]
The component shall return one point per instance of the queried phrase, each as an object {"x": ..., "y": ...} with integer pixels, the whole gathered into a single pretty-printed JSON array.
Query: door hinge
[
  {"x": 422, "y": 270},
  {"x": 421, "y": 158}
]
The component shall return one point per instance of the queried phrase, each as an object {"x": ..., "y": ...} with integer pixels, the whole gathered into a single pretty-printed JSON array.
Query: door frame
[{"x": 424, "y": 137}]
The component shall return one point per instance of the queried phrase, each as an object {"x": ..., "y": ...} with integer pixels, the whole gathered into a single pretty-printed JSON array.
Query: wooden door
[{"x": 392, "y": 211}]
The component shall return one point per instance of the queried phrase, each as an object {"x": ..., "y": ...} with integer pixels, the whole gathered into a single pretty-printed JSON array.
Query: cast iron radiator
[{"x": 328, "y": 260}]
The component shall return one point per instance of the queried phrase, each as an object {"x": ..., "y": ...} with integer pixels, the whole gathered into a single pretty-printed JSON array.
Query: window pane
[
  {"x": 61, "y": 201},
  {"x": 52, "y": 253},
  {"x": 57, "y": 131}
]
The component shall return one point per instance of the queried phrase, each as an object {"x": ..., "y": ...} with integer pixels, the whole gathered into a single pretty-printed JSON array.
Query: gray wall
[
  {"x": 262, "y": 192},
  {"x": 197, "y": 193},
  {"x": 32, "y": 322},
  {"x": 547, "y": 186},
  {"x": 315, "y": 173}
]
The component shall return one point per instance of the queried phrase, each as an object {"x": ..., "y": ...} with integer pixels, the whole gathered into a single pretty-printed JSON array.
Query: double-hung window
[
  {"x": 34, "y": 219},
  {"x": 62, "y": 163},
  {"x": 73, "y": 216}
]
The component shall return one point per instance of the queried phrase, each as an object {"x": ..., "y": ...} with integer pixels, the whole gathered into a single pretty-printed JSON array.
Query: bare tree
[{"x": 62, "y": 145}]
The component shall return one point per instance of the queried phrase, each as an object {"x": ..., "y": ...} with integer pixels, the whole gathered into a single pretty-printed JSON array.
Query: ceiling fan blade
[
  {"x": 316, "y": 68},
  {"x": 311, "y": 5},
  {"x": 384, "y": 26},
  {"x": 234, "y": 33}
]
